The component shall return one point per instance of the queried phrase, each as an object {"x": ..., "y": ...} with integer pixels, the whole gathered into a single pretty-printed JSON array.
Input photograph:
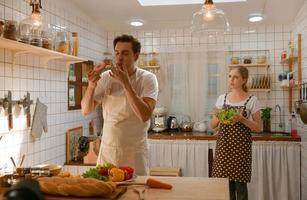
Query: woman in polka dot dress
[{"x": 233, "y": 155}]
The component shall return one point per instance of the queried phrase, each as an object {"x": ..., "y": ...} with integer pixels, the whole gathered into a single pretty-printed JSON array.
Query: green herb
[{"x": 266, "y": 113}]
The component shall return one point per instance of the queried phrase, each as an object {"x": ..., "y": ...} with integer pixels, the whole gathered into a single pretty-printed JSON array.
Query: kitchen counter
[
  {"x": 206, "y": 136},
  {"x": 194, "y": 188}
]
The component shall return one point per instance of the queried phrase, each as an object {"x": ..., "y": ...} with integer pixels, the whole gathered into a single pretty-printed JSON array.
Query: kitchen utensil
[
  {"x": 140, "y": 191},
  {"x": 12, "y": 159},
  {"x": 159, "y": 119},
  {"x": 200, "y": 126},
  {"x": 186, "y": 124},
  {"x": 22, "y": 159},
  {"x": 172, "y": 123}
]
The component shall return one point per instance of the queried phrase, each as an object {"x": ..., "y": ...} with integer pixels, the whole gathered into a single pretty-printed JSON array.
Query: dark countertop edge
[{"x": 204, "y": 136}]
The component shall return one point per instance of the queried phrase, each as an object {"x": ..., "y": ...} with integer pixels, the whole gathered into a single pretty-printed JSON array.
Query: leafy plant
[{"x": 266, "y": 113}]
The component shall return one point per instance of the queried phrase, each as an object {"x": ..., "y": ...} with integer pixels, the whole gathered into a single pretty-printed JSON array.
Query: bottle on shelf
[
  {"x": 293, "y": 122},
  {"x": 75, "y": 44}
]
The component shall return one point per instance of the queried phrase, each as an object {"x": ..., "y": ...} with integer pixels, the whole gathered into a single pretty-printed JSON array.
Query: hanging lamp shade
[{"x": 209, "y": 20}]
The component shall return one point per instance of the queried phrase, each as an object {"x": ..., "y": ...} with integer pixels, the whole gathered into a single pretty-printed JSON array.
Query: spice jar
[
  {"x": 47, "y": 40},
  {"x": 10, "y": 30},
  {"x": 261, "y": 59},
  {"x": 1, "y": 27},
  {"x": 142, "y": 61},
  {"x": 153, "y": 61},
  {"x": 247, "y": 60},
  {"x": 75, "y": 44},
  {"x": 36, "y": 38},
  {"x": 62, "y": 42},
  {"x": 108, "y": 58},
  {"x": 235, "y": 60}
]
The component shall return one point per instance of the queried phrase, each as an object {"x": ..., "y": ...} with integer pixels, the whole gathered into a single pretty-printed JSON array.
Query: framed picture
[{"x": 72, "y": 145}]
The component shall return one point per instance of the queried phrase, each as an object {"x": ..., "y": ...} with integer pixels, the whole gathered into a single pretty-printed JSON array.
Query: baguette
[{"x": 79, "y": 187}]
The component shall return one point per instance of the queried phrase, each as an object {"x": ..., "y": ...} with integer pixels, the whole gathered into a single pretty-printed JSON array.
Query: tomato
[
  {"x": 128, "y": 171},
  {"x": 103, "y": 171}
]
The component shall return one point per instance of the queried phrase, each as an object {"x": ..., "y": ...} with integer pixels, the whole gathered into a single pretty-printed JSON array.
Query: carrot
[{"x": 153, "y": 183}]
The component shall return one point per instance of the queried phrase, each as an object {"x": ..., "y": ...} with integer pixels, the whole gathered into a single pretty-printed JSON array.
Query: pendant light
[
  {"x": 32, "y": 25},
  {"x": 209, "y": 20}
]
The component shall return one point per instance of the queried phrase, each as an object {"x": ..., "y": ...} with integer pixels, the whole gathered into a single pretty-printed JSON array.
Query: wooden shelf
[
  {"x": 150, "y": 67},
  {"x": 288, "y": 60},
  {"x": 46, "y": 54},
  {"x": 250, "y": 65},
  {"x": 247, "y": 50},
  {"x": 259, "y": 90}
]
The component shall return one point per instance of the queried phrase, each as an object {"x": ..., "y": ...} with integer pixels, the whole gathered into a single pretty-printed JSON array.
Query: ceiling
[{"x": 114, "y": 15}]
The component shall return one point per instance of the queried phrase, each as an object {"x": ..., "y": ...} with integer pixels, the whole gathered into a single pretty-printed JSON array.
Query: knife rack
[{"x": 7, "y": 104}]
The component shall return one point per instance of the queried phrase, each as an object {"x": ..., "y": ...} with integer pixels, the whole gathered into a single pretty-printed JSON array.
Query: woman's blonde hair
[{"x": 244, "y": 73}]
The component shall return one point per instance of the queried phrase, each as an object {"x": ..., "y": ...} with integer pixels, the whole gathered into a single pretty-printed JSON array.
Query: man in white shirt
[{"x": 128, "y": 96}]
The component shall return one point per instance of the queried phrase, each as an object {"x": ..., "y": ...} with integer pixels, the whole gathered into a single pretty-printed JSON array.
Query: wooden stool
[{"x": 165, "y": 171}]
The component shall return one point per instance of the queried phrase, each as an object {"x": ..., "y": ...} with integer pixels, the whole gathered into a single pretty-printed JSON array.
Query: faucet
[{"x": 280, "y": 125}]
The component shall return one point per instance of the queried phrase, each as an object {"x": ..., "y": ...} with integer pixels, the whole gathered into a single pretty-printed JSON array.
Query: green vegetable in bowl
[
  {"x": 93, "y": 173},
  {"x": 226, "y": 115}
]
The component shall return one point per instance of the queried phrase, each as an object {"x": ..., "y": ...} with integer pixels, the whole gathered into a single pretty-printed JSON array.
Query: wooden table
[
  {"x": 184, "y": 188},
  {"x": 194, "y": 188}
]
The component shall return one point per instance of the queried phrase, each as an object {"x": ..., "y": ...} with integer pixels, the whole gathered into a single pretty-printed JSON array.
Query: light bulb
[
  {"x": 37, "y": 19},
  {"x": 208, "y": 16}
]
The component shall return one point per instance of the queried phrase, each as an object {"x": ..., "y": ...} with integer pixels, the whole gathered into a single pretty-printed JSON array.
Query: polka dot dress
[{"x": 233, "y": 155}]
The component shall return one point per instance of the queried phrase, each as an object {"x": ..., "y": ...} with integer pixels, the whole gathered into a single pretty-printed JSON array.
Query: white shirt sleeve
[
  {"x": 150, "y": 86},
  {"x": 254, "y": 105},
  {"x": 220, "y": 101}
]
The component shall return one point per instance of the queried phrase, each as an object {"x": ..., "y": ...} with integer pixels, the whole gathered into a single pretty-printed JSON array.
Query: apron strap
[
  {"x": 225, "y": 99},
  {"x": 244, "y": 106}
]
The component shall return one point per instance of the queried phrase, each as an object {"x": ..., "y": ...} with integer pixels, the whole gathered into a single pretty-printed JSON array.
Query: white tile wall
[
  {"x": 274, "y": 37},
  {"x": 300, "y": 26},
  {"x": 49, "y": 84}
]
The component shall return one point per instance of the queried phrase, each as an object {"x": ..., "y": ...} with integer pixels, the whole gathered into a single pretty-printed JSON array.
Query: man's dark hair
[{"x": 136, "y": 45}]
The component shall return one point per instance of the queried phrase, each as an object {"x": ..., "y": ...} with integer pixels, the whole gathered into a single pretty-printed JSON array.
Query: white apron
[{"x": 124, "y": 139}]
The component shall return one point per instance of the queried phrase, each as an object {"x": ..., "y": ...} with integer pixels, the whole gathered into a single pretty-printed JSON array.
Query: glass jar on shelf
[
  {"x": 36, "y": 38},
  {"x": 108, "y": 59},
  {"x": 10, "y": 30},
  {"x": 142, "y": 61},
  {"x": 47, "y": 40},
  {"x": 24, "y": 33},
  {"x": 62, "y": 43},
  {"x": 153, "y": 60}
]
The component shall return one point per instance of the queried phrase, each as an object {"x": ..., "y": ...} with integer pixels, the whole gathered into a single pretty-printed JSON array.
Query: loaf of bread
[{"x": 79, "y": 187}]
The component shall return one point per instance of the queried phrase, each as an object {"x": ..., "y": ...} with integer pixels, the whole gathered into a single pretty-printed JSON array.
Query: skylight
[{"x": 181, "y": 2}]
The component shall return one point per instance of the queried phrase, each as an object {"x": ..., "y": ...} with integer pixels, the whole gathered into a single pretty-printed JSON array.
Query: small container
[
  {"x": 247, "y": 60},
  {"x": 62, "y": 42},
  {"x": 10, "y": 30},
  {"x": 283, "y": 55},
  {"x": 108, "y": 59},
  {"x": 235, "y": 60},
  {"x": 142, "y": 61},
  {"x": 153, "y": 60},
  {"x": 47, "y": 40},
  {"x": 36, "y": 38},
  {"x": 24, "y": 33},
  {"x": 261, "y": 59},
  {"x": 293, "y": 123},
  {"x": 75, "y": 44}
]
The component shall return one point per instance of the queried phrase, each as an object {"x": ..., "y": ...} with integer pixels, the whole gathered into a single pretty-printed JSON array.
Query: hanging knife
[
  {"x": 9, "y": 110},
  {"x": 27, "y": 106}
]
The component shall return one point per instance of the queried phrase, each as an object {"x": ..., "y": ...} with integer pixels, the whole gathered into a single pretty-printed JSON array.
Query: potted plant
[{"x": 266, "y": 118}]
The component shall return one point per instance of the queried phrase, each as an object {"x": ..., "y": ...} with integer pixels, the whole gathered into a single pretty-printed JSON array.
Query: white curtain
[
  {"x": 183, "y": 83},
  {"x": 275, "y": 171},
  {"x": 190, "y": 155}
]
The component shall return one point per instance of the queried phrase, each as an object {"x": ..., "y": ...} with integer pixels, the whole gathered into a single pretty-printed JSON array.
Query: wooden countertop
[
  {"x": 206, "y": 136},
  {"x": 188, "y": 188}
]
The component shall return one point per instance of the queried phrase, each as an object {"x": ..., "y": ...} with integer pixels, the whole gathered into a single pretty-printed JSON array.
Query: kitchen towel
[{"x": 39, "y": 120}]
